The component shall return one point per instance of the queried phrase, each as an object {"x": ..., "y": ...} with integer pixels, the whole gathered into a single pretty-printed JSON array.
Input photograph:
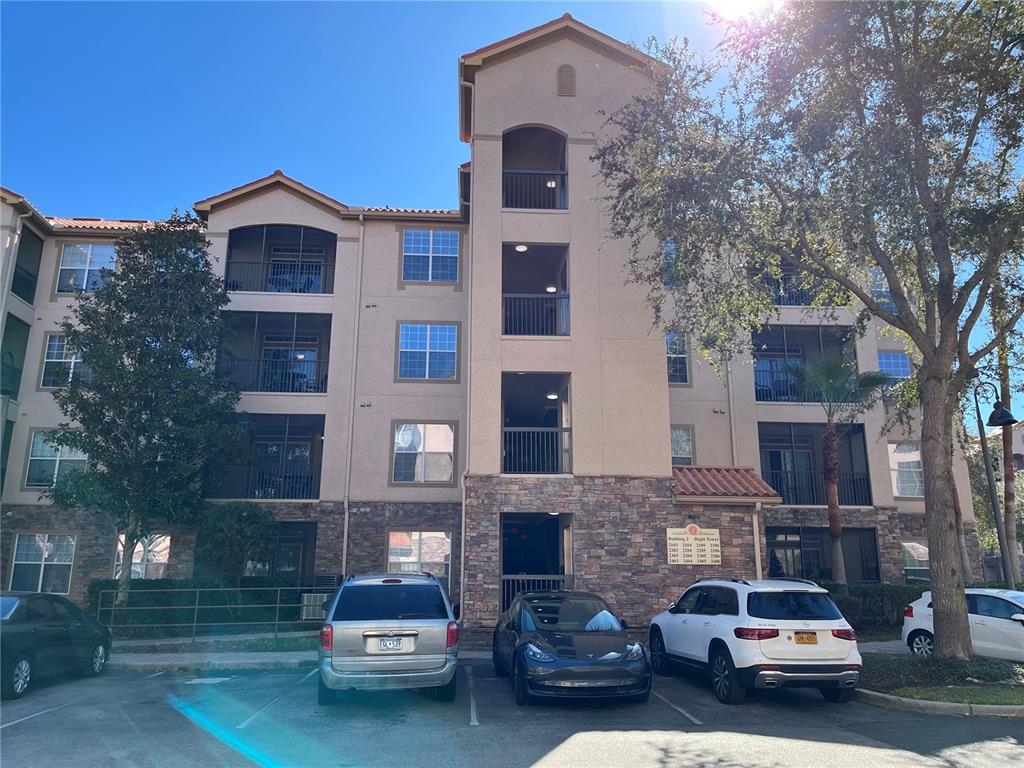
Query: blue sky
[{"x": 132, "y": 109}]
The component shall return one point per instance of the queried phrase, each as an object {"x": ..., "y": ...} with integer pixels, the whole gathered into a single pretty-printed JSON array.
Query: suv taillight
[
  {"x": 744, "y": 633},
  {"x": 844, "y": 634},
  {"x": 327, "y": 637},
  {"x": 908, "y": 612},
  {"x": 453, "y": 634}
]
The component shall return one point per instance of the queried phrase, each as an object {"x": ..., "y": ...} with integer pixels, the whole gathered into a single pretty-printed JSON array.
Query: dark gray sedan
[{"x": 570, "y": 645}]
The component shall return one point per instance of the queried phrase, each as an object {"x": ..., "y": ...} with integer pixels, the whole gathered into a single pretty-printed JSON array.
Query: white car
[
  {"x": 758, "y": 634},
  {"x": 996, "y": 617}
]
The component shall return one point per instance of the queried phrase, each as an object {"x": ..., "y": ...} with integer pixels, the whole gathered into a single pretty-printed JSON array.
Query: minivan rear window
[
  {"x": 390, "y": 602},
  {"x": 7, "y": 606},
  {"x": 792, "y": 605}
]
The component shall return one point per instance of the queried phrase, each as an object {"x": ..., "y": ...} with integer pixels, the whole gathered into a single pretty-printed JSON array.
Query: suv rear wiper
[{"x": 417, "y": 616}]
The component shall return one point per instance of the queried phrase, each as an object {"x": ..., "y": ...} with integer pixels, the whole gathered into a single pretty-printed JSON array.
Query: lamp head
[{"x": 1000, "y": 416}]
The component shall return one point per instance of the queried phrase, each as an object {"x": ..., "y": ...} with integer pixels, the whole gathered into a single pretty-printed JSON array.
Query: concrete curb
[
  {"x": 939, "y": 707},
  {"x": 144, "y": 662}
]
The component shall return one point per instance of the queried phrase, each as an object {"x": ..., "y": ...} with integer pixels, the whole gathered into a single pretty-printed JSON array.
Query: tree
[
  {"x": 871, "y": 147},
  {"x": 152, "y": 412},
  {"x": 230, "y": 536},
  {"x": 844, "y": 393}
]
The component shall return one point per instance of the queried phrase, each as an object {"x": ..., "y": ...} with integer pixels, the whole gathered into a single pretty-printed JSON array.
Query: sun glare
[{"x": 733, "y": 10}]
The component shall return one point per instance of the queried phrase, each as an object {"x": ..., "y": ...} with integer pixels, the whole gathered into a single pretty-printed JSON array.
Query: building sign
[{"x": 694, "y": 545}]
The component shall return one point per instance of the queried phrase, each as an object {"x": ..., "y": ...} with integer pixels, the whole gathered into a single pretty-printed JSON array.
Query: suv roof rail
[
  {"x": 793, "y": 578},
  {"x": 723, "y": 578}
]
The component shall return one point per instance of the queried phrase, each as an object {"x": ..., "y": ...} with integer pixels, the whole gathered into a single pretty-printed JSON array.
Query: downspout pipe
[{"x": 352, "y": 392}]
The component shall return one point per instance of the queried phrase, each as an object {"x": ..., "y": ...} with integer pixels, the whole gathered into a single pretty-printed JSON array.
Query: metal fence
[
  {"x": 280, "y": 276},
  {"x": 275, "y": 375},
  {"x": 513, "y": 585},
  {"x": 535, "y": 189},
  {"x": 808, "y": 488},
  {"x": 780, "y": 387},
  {"x": 263, "y": 481},
  {"x": 786, "y": 291},
  {"x": 537, "y": 450},
  {"x": 535, "y": 314}
]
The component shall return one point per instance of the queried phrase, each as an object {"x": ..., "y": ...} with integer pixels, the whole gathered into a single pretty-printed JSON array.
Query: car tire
[
  {"x": 17, "y": 677},
  {"x": 324, "y": 695},
  {"x": 659, "y": 656},
  {"x": 97, "y": 660},
  {"x": 724, "y": 681},
  {"x": 519, "y": 687},
  {"x": 838, "y": 695},
  {"x": 921, "y": 642},
  {"x": 446, "y": 692},
  {"x": 499, "y": 668}
]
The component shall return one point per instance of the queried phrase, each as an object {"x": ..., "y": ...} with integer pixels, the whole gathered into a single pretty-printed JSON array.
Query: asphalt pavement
[{"x": 270, "y": 718}]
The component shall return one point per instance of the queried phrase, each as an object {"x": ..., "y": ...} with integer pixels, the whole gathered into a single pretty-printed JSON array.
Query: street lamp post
[{"x": 1000, "y": 417}]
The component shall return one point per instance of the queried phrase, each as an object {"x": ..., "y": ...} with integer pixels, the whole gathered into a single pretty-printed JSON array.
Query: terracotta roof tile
[
  {"x": 97, "y": 223},
  {"x": 722, "y": 482},
  {"x": 389, "y": 209}
]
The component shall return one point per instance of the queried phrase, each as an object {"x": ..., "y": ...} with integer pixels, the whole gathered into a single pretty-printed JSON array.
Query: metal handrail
[
  {"x": 275, "y": 375},
  {"x": 808, "y": 488},
  {"x": 535, "y": 314},
  {"x": 537, "y": 450},
  {"x": 535, "y": 189},
  {"x": 263, "y": 481},
  {"x": 280, "y": 276},
  {"x": 513, "y": 584}
]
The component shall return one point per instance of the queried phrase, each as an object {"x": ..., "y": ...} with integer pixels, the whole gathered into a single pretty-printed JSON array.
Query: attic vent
[{"x": 566, "y": 80}]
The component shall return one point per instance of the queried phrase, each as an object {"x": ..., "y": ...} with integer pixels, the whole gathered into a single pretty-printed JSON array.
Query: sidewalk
[
  {"x": 127, "y": 644},
  {"x": 199, "y": 661},
  {"x": 897, "y": 647}
]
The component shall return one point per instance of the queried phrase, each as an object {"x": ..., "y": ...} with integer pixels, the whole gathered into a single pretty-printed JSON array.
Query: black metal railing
[
  {"x": 513, "y": 585},
  {"x": 23, "y": 284},
  {"x": 537, "y": 450},
  {"x": 280, "y": 277},
  {"x": 10, "y": 380},
  {"x": 808, "y": 488},
  {"x": 535, "y": 189},
  {"x": 786, "y": 291},
  {"x": 535, "y": 314},
  {"x": 781, "y": 387},
  {"x": 275, "y": 375},
  {"x": 263, "y": 481}
]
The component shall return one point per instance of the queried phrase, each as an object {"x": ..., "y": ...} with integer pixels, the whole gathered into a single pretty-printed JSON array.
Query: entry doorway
[{"x": 536, "y": 553}]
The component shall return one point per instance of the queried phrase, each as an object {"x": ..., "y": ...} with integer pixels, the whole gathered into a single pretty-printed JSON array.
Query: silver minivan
[{"x": 389, "y": 631}]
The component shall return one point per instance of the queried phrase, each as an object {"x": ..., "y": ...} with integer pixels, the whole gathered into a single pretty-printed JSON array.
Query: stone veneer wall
[
  {"x": 619, "y": 540},
  {"x": 329, "y": 517}
]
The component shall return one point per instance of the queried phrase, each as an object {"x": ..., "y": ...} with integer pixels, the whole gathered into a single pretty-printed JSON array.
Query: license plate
[
  {"x": 391, "y": 644},
  {"x": 806, "y": 638}
]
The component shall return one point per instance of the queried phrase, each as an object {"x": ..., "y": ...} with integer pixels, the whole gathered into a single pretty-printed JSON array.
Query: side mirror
[
  {"x": 624, "y": 624},
  {"x": 456, "y": 610},
  {"x": 1018, "y": 617}
]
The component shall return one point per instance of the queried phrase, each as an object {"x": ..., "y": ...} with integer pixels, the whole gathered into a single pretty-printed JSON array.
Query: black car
[
  {"x": 571, "y": 645},
  {"x": 43, "y": 635}
]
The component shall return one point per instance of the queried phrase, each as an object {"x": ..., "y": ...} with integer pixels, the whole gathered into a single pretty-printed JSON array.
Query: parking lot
[{"x": 270, "y": 718}]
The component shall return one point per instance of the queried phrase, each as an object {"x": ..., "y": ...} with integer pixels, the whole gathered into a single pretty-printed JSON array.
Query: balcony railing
[
  {"x": 785, "y": 291},
  {"x": 781, "y": 387},
  {"x": 535, "y": 314},
  {"x": 513, "y": 585},
  {"x": 275, "y": 375},
  {"x": 10, "y": 380},
  {"x": 808, "y": 488},
  {"x": 280, "y": 276},
  {"x": 23, "y": 284},
  {"x": 537, "y": 450},
  {"x": 263, "y": 481},
  {"x": 535, "y": 189}
]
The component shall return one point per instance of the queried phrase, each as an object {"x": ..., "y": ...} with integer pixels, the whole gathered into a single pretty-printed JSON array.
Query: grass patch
[
  {"x": 248, "y": 645},
  {"x": 944, "y": 677},
  {"x": 877, "y": 634},
  {"x": 985, "y": 693}
]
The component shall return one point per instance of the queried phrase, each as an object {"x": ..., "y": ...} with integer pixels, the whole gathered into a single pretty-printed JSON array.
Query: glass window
[
  {"x": 430, "y": 255},
  {"x": 82, "y": 267},
  {"x": 805, "y": 606},
  {"x": 420, "y": 552},
  {"x": 675, "y": 347},
  {"x": 914, "y": 556},
  {"x": 682, "y": 446},
  {"x": 427, "y": 351},
  {"x": 994, "y": 607},
  {"x": 907, "y": 471},
  {"x": 60, "y": 363},
  {"x": 719, "y": 601},
  {"x": 389, "y": 602},
  {"x": 26, "y": 267},
  {"x": 571, "y": 613},
  {"x": 149, "y": 561},
  {"x": 688, "y": 602},
  {"x": 47, "y": 462},
  {"x": 895, "y": 364},
  {"x": 423, "y": 453},
  {"x": 42, "y": 562}
]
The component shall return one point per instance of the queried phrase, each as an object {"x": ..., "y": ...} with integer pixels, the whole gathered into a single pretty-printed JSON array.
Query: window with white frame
[
  {"x": 82, "y": 265},
  {"x": 906, "y": 468},
  {"x": 61, "y": 363},
  {"x": 430, "y": 255},
  {"x": 914, "y": 556},
  {"x": 682, "y": 446},
  {"x": 675, "y": 348},
  {"x": 420, "y": 552},
  {"x": 48, "y": 462},
  {"x": 895, "y": 364},
  {"x": 428, "y": 351},
  {"x": 149, "y": 561},
  {"x": 42, "y": 562},
  {"x": 423, "y": 453}
]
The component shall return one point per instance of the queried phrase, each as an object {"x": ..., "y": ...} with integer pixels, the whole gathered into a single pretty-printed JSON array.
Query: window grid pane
[
  {"x": 423, "y": 453},
  {"x": 427, "y": 351},
  {"x": 896, "y": 364},
  {"x": 430, "y": 255},
  {"x": 42, "y": 562},
  {"x": 676, "y": 355}
]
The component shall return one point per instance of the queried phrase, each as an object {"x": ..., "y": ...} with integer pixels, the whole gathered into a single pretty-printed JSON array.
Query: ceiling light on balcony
[
  {"x": 552, "y": 289},
  {"x": 552, "y": 395},
  {"x": 522, "y": 248},
  {"x": 551, "y": 184},
  {"x": 553, "y": 514},
  {"x": 300, "y": 356}
]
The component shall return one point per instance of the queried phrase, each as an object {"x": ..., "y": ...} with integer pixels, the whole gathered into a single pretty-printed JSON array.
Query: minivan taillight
[
  {"x": 327, "y": 637},
  {"x": 908, "y": 612},
  {"x": 745, "y": 633},
  {"x": 844, "y": 634},
  {"x": 453, "y": 634}
]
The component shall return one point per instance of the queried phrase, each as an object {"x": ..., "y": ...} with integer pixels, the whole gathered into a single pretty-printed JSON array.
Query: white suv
[
  {"x": 996, "y": 618},
  {"x": 759, "y": 634}
]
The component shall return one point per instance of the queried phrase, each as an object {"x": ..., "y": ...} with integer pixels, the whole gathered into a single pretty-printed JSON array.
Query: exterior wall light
[
  {"x": 552, "y": 395},
  {"x": 522, "y": 248},
  {"x": 551, "y": 289}
]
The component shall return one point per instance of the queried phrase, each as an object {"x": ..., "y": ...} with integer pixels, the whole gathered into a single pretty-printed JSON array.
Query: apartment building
[{"x": 476, "y": 392}]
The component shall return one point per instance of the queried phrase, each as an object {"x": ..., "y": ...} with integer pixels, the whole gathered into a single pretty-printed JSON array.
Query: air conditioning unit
[{"x": 313, "y": 606}]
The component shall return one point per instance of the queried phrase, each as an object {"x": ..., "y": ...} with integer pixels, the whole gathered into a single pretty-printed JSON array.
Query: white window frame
[
  {"x": 421, "y": 451},
  {"x": 71, "y": 362},
  {"x": 672, "y": 342},
  {"x": 47, "y": 549},
  {"x": 895, "y": 468},
  {"x": 144, "y": 549},
  {"x": 680, "y": 428},
  {"x": 889, "y": 373},
  {"x": 430, "y": 255},
  {"x": 418, "y": 541},
  {"x": 87, "y": 247},
  {"x": 431, "y": 327},
  {"x": 63, "y": 454}
]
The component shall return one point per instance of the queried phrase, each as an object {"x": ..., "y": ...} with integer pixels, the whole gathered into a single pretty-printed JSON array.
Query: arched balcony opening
[
  {"x": 281, "y": 258},
  {"x": 533, "y": 169}
]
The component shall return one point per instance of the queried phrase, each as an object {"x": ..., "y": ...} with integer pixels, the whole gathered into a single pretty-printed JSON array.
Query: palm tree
[{"x": 844, "y": 393}]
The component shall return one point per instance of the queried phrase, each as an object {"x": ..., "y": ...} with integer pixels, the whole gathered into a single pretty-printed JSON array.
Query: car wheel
[
  {"x": 659, "y": 658},
  {"x": 499, "y": 668},
  {"x": 921, "y": 643},
  {"x": 97, "y": 660},
  {"x": 724, "y": 682},
  {"x": 838, "y": 695},
  {"x": 17, "y": 677},
  {"x": 446, "y": 692},
  {"x": 324, "y": 695},
  {"x": 519, "y": 684}
]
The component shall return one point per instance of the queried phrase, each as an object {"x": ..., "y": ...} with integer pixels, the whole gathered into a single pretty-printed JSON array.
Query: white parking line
[
  {"x": 678, "y": 709},
  {"x": 155, "y": 674},
  {"x": 472, "y": 698},
  {"x": 273, "y": 701},
  {"x": 37, "y": 714}
]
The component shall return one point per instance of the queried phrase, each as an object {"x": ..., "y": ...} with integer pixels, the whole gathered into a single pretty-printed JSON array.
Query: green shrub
[{"x": 875, "y": 605}]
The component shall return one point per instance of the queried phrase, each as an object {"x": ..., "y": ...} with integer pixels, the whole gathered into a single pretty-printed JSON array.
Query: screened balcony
[
  {"x": 536, "y": 432},
  {"x": 534, "y": 290},
  {"x": 776, "y": 347},
  {"x": 276, "y": 351},
  {"x": 281, "y": 258},
  {"x": 791, "y": 463},
  {"x": 533, "y": 169}
]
